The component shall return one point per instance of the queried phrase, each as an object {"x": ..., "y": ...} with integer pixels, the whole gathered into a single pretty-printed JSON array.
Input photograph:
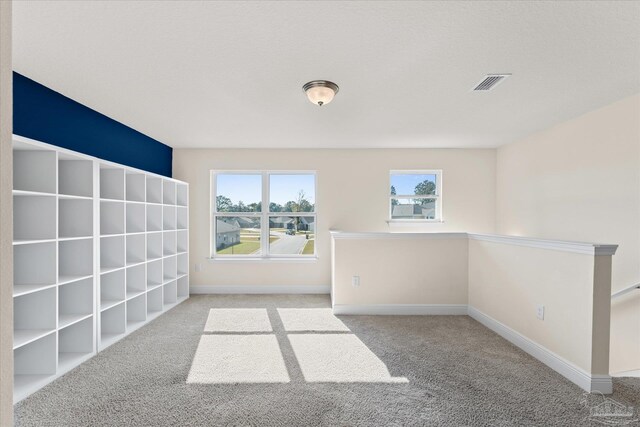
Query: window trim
[
  {"x": 438, "y": 196},
  {"x": 264, "y": 216}
]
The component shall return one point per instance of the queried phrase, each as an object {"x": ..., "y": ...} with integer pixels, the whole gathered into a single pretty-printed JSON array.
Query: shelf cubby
[
  {"x": 170, "y": 293},
  {"x": 182, "y": 218},
  {"x": 111, "y": 182},
  {"x": 154, "y": 218},
  {"x": 182, "y": 241},
  {"x": 169, "y": 269},
  {"x": 154, "y": 189},
  {"x": 113, "y": 323},
  {"x": 154, "y": 301},
  {"x": 182, "y": 264},
  {"x": 75, "y": 302},
  {"x": 112, "y": 253},
  {"x": 135, "y": 183},
  {"x": 136, "y": 281},
  {"x": 136, "y": 222},
  {"x": 111, "y": 217},
  {"x": 182, "y": 195},
  {"x": 75, "y": 343},
  {"x": 112, "y": 289},
  {"x": 154, "y": 274},
  {"x": 34, "y": 316},
  {"x": 75, "y": 260},
  {"x": 75, "y": 218},
  {"x": 168, "y": 192},
  {"x": 35, "y": 170},
  {"x": 183, "y": 287},
  {"x": 136, "y": 252},
  {"x": 154, "y": 246},
  {"x": 169, "y": 243},
  {"x": 26, "y": 278},
  {"x": 75, "y": 176},
  {"x": 136, "y": 311},
  {"x": 168, "y": 217},
  {"x": 34, "y": 218},
  {"x": 34, "y": 365}
]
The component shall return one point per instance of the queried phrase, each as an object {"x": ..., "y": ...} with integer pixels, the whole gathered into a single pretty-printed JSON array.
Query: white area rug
[
  {"x": 225, "y": 359},
  {"x": 238, "y": 320},
  {"x": 310, "y": 319},
  {"x": 340, "y": 358}
]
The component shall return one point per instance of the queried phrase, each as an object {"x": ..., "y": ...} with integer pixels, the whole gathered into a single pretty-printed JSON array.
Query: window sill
[
  {"x": 414, "y": 221},
  {"x": 293, "y": 260}
]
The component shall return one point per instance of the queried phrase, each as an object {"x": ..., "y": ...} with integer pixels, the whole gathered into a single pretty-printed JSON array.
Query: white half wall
[
  {"x": 408, "y": 273},
  {"x": 353, "y": 188},
  {"x": 498, "y": 280},
  {"x": 580, "y": 180},
  {"x": 507, "y": 283}
]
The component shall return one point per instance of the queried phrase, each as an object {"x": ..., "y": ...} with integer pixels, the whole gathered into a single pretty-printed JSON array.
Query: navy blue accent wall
[{"x": 48, "y": 116}]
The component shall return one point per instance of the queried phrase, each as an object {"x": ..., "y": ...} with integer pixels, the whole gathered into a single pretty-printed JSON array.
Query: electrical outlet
[
  {"x": 355, "y": 281},
  {"x": 540, "y": 311},
  {"x": 198, "y": 267}
]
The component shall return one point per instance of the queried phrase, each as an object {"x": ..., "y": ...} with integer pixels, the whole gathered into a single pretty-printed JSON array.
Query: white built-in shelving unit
[{"x": 100, "y": 249}]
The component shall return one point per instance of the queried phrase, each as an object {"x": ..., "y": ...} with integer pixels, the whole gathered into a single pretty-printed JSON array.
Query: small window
[
  {"x": 263, "y": 214},
  {"x": 415, "y": 195}
]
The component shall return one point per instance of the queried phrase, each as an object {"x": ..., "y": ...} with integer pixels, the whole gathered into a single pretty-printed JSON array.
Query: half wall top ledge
[{"x": 559, "y": 245}]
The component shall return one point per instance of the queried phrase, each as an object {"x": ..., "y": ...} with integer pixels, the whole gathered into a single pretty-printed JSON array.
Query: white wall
[
  {"x": 352, "y": 195},
  {"x": 402, "y": 269},
  {"x": 580, "y": 181},
  {"x": 507, "y": 282},
  {"x": 6, "y": 214}
]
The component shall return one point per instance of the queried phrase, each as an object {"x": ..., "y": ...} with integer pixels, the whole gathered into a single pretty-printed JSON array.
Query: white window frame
[
  {"x": 437, "y": 196},
  {"x": 264, "y": 216}
]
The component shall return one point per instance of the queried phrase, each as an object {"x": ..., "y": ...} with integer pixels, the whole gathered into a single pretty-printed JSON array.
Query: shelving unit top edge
[
  {"x": 33, "y": 193},
  {"x": 33, "y": 241},
  {"x": 32, "y": 144}
]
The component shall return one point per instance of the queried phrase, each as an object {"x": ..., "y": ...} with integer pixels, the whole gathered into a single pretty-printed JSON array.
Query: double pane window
[{"x": 263, "y": 214}]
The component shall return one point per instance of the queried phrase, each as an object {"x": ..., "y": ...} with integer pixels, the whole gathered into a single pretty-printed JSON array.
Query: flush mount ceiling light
[{"x": 320, "y": 92}]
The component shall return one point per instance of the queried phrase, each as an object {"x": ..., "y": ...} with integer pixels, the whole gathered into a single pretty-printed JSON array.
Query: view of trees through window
[
  {"x": 300, "y": 204},
  {"x": 414, "y": 195},
  {"x": 240, "y": 222}
]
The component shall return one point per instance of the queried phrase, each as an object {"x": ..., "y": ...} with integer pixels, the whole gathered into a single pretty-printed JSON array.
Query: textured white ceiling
[{"x": 229, "y": 74}]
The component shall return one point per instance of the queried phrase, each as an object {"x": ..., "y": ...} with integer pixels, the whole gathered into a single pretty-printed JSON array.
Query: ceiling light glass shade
[{"x": 320, "y": 92}]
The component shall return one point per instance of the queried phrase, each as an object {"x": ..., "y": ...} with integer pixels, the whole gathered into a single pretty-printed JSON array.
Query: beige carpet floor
[{"x": 242, "y": 360}]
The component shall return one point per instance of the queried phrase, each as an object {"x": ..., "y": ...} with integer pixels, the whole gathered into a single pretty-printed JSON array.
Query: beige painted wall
[
  {"x": 581, "y": 181},
  {"x": 401, "y": 271},
  {"x": 6, "y": 214},
  {"x": 352, "y": 195},
  {"x": 506, "y": 282}
]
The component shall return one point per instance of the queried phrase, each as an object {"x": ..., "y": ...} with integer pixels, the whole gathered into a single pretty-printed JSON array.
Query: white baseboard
[
  {"x": 584, "y": 380},
  {"x": 259, "y": 289},
  {"x": 401, "y": 309}
]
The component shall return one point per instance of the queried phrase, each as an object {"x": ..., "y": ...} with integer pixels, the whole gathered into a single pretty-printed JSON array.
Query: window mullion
[
  {"x": 416, "y": 196},
  {"x": 264, "y": 226}
]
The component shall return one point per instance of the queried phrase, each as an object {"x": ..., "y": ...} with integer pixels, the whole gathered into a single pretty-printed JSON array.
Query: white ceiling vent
[{"x": 490, "y": 81}]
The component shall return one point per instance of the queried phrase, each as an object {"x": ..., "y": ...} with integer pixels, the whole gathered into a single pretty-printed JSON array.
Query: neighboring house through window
[
  {"x": 258, "y": 214},
  {"x": 415, "y": 195}
]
